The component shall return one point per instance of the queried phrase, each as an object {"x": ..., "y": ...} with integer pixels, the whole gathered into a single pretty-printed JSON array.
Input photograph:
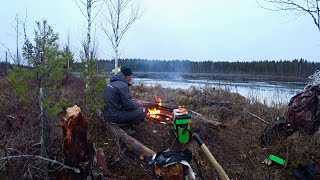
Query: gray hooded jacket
[{"x": 118, "y": 97}]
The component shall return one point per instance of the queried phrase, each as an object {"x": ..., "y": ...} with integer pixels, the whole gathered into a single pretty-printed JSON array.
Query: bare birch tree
[
  {"x": 89, "y": 6},
  {"x": 16, "y": 58},
  {"x": 298, "y": 7},
  {"x": 120, "y": 15},
  {"x": 17, "y": 38}
]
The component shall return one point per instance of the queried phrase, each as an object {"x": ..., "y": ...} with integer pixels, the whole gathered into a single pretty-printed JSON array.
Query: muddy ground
[{"x": 236, "y": 147}]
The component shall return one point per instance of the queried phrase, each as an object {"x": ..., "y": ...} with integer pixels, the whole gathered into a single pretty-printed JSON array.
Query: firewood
[{"x": 195, "y": 115}]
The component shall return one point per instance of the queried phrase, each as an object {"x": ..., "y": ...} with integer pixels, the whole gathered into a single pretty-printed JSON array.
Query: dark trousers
[{"x": 130, "y": 117}]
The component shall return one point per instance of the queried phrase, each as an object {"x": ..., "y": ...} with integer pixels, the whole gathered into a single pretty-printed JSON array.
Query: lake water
[{"x": 270, "y": 91}]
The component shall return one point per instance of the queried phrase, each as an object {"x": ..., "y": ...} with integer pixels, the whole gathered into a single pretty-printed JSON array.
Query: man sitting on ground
[{"x": 121, "y": 110}]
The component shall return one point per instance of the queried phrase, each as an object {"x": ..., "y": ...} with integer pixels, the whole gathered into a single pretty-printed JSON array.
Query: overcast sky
[{"x": 195, "y": 30}]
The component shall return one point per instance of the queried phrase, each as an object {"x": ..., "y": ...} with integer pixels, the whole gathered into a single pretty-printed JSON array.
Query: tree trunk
[
  {"x": 87, "y": 46},
  {"x": 116, "y": 63},
  {"x": 134, "y": 145},
  {"x": 42, "y": 138}
]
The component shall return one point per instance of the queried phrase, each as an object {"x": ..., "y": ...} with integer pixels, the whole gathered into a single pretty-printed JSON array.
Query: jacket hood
[{"x": 119, "y": 77}]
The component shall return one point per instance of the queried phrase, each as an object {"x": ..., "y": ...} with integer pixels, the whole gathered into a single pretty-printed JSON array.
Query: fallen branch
[
  {"x": 102, "y": 162},
  {"x": 259, "y": 118},
  {"x": 203, "y": 119},
  {"x": 76, "y": 170}
]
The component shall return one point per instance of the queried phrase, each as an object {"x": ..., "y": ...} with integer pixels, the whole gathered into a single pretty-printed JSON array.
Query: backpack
[
  {"x": 307, "y": 172},
  {"x": 165, "y": 159},
  {"x": 302, "y": 110},
  {"x": 277, "y": 129}
]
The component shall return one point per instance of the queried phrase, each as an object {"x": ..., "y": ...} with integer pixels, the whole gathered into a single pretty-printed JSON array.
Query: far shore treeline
[{"x": 295, "y": 67}]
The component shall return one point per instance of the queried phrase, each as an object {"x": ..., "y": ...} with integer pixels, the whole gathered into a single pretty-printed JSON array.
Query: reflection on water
[{"x": 272, "y": 93}]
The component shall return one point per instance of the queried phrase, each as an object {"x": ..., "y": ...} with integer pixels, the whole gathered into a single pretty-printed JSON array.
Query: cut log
[{"x": 133, "y": 144}]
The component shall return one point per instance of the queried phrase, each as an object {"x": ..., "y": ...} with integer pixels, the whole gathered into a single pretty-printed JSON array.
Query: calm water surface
[{"x": 270, "y": 91}]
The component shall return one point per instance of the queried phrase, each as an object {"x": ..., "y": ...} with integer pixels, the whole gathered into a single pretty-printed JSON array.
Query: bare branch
[
  {"x": 100, "y": 7},
  {"x": 76, "y": 170},
  {"x": 299, "y": 7},
  {"x": 76, "y": 1},
  {"x": 8, "y": 50}
]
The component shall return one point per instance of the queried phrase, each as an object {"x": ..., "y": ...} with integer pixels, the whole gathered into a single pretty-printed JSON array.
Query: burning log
[
  {"x": 160, "y": 119},
  {"x": 76, "y": 147},
  {"x": 157, "y": 108}
]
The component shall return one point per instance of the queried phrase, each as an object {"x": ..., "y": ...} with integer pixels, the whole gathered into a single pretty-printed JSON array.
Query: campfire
[{"x": 157, "y": 113}]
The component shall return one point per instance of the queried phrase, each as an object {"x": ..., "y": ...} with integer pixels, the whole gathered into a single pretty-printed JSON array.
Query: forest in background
[
  {"x": 281, "y": 68},
  {"x": 295, "y": 67}
]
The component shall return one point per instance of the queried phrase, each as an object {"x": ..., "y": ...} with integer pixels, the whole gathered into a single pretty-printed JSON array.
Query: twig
[
  {"x": 3, "y": 166},
  {"x": 39, "y": 143},
  {"x": 76, "y": 170},
  {"x": 194, "y": 112},
  {"x": 10, "y": 116},
  {"x": 15, "y": 150},
  {"x": 202, "y": 118},
  {"x": 259, "y": 118},
  {"x": 30, "y": 174}
]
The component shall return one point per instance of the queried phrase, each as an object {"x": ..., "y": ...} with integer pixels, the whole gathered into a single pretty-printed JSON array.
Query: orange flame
[
  {"x": 154, "y": 112},
  {"x": 159, "y": 101}
]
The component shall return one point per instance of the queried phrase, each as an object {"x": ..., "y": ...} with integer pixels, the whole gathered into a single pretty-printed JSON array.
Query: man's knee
[
  {"x": 140, "y": 115},
  {"x": 143, "y": 111}
]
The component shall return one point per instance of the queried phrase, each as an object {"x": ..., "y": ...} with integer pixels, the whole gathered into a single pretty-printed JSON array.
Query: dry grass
[{"x": 236, "y": 148}]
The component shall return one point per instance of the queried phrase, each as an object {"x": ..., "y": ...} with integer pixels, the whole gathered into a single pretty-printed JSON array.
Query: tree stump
[
  {"x": 77, "y": 150},
  {"x": 172, "y": 172}
]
